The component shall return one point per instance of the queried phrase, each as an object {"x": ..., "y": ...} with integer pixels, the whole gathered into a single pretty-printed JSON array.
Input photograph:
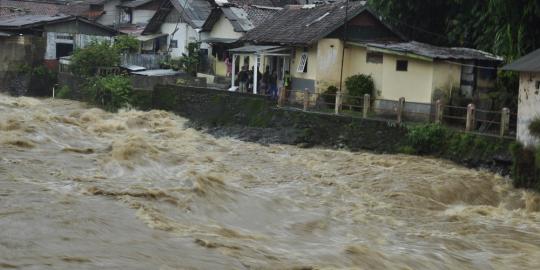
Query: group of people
[{"x": 267, "y": 83}]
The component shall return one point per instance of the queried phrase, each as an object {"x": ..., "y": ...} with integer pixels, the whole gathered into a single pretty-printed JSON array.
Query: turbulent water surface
[{"x": 84, "y": 189}]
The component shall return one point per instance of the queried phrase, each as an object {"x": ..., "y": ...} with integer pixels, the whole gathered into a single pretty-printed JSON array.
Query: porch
[{"x": 271, "y": 58}]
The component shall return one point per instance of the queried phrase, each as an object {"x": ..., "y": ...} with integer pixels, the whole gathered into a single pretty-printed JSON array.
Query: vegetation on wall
[
  {"x": 534, "y": 127},
  {"x": 437, "y": 140},
  {"x": 111, "y": 92}
]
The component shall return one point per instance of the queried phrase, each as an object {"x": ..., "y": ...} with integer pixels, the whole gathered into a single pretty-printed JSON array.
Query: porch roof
[
  {"x": 257, "y": 49},
  {"x": 149, "y": 37}
]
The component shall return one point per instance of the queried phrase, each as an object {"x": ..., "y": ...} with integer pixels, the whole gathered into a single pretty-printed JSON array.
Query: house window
[
  {"x": 63, "y": 49},
  {"x": 402, "y": 65},
  {"x": 173, "y": 44},
  {"x": 302, "y": 66},
  {"x": 374, "y": 57}
]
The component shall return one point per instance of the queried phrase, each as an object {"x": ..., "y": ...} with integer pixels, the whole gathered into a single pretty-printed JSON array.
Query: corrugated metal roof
[
  {"x": 24, "y": 20},
  {"x": 527, "y": 63},
  {"x": 436, "y": 52},
  {"x": 135, "y": 3}
]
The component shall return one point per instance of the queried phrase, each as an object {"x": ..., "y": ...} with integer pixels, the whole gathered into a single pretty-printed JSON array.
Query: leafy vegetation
[
  {"x": 111, "y": 92},
  {"x": 126, "y": 44},
  {"x": 86, "y": 61},
  {"x": 63, "y": 92},
  {"x": 187, "y": 62},
  {"x": 357, "y": 87},
  {"x": 426, "y": 139}
]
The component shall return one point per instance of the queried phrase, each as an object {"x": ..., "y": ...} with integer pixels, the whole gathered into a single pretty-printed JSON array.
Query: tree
[{"x": 85, "y": 61}]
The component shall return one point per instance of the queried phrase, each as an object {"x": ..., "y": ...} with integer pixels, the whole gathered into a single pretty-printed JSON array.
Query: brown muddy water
[{"x": 84, "y": 189}]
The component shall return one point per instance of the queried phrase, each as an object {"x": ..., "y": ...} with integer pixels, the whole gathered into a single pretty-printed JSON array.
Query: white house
[
  {"x": 176, "y": 24},
  {"x": 529, "y": 95}
]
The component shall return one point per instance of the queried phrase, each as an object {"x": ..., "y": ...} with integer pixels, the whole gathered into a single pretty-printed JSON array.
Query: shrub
[
  {"x": 63, "y": 92},
  {"x": 126, "y": 44},
  {"x": 358, "y": 86},
  {"x": 85, "y": 61},
  {"x": 111, "y": 92},
  {"x": 427, "y": 139},
  {"x": 534, "y": 127},
  {"x": 329, "y": 96}
]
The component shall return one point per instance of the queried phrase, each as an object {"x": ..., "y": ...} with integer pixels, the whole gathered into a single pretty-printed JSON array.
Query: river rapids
[{"x": 81, "y": 188}]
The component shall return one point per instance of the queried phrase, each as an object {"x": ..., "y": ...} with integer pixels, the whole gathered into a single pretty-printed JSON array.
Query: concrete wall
[
  {"x": 529, "y": 107},
  {"x": 15, "y": 52}
]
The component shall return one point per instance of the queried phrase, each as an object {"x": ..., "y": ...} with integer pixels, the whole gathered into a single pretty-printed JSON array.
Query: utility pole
[{"x": 345, "y": 20}]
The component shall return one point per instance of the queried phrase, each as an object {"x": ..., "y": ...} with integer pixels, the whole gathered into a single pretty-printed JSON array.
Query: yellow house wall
[
  {"x": 329, "y": 55},
  {"x": 311, "y": 73},
  {"x": 355, "y": 63},
  {"x": 446, "y": 76},
  {"x": 415, "y": 84},
  {"x": 224, "y": 29}
]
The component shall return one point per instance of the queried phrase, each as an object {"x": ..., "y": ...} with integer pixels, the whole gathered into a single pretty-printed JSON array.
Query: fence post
[
  {"x": 471, "y": 116},
  {"x": 439, "y": 111},
  {"x": 505, "y": 121},
  {"x": 282, "y": 95},
  {"x": 365, "y": 109},
  {"x": 401, "y": 106},
  {"x": 306, "y": 99},
  {"x": 338, "y": 102}
]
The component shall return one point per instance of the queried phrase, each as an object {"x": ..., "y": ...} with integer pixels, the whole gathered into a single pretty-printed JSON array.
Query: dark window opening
[
  {"x": 402, "y": 65},
  {"x": 174, "y": 43},
  {"x": 374, "y": 57},
  {"x": 63, "y": 49}
]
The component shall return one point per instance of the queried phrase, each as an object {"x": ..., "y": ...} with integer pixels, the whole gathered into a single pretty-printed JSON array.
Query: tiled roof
[
  {"x": 242, "y": 18},
  {"x": 436, "y": 52},
  {"x": 50, "y": 8},
  {"x": 303, "y": 25}
]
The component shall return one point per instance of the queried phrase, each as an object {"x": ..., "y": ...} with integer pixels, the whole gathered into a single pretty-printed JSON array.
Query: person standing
[
  {"x": 273, "y": 85},
  {"x": 266, "y": 81},
  {"x": 228, "y": 63},
  {"x": 243, "y": 79}
]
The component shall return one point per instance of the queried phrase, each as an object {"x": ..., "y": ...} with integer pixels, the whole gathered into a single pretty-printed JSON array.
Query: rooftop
[
  {"x": 527, "y": 63},
  {"x": 306, "y": 24},
  {"x": 436, "y": 52},
  {"x": 243, "y": 18}
]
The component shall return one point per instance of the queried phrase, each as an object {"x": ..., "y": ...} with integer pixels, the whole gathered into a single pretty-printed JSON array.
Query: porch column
[
  {"x": 233, "y": 75},
  {"x": 255, "y": 76}
]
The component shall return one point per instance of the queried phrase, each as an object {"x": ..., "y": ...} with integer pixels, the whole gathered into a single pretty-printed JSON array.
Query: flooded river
[{"x": 84, "y": 189}]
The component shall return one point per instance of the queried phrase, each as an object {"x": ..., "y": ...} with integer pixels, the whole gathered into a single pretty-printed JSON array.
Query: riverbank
[{"x": 257, "y": 119}]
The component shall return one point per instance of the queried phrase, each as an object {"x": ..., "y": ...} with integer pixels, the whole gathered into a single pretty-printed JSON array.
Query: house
[
  {"x": 308, "y": 41},
  {"x": 52, "y": 7},
  {"x": 34, "y": 40},
  {"x": 529, "y": 95},
  {"x": 227, "y": 23},
  {"x": 61, "y": 33},
  {"x": 176, "y": 24},
  {"x": 137, "y": 12}
]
